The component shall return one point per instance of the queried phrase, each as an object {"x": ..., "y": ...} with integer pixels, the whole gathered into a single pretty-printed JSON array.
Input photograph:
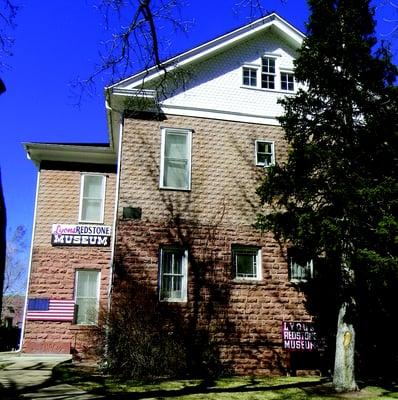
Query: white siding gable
[{"x": 216, "y": 83}]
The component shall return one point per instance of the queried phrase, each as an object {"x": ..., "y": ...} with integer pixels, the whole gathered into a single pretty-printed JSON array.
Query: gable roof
[
  {"x": 272, "y": 21},
  {"x": 133, "y": 86}
]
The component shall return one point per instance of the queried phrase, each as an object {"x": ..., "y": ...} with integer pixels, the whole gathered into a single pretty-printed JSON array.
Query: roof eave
[{"x": 38, "y": 152}]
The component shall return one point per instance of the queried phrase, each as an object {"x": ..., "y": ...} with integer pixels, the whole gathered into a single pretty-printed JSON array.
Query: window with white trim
[
  {"x": 287, "y": 81},
  {"x": 173, "y": 274},
  {"x": 175, "y": 163},
  {"x": 249, "y": 76},
  {"x": 246, "y": 261},
  {"x": 300, "y": 268},
  {"x": 87, "y": 296},
  {"x": 92, "y": 198},
  {"x": 265, "y": 153},
  {"x": 268, "y": 73}
]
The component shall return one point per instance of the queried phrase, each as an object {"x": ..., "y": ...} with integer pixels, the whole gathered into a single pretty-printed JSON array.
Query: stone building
[{"x": 175, "y": 195}]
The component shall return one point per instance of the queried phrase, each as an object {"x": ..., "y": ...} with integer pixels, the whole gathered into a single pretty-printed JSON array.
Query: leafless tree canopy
[
  {"x": 16, "y": 262},
  {"x": 138, "y": 37},
  {"x": 8, "y": 11}
]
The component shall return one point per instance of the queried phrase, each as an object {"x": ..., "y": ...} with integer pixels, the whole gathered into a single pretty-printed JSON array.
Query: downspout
[
  {"x": 116, "y": 204},
  {"x": 21, "y": 340}
]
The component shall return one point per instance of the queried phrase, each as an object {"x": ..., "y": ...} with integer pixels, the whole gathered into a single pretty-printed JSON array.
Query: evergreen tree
[{"x": 335, "y": 197}]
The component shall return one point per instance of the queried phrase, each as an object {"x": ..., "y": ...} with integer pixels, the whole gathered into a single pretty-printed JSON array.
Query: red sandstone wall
[
  {"x": 53, "y": 268},
  {"x": 243, "y": 318}
]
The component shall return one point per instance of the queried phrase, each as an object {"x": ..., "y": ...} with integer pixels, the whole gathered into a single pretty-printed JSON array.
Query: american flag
[{"x": 50, "y": 310}]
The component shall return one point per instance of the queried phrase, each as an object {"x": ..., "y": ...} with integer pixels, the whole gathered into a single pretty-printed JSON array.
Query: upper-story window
[
  {"x": 268, "y": 73},
  {"x": 287, "y": 81},
  {"x": 92, "y": 198},
  {"x": 265, "y": 153},
  {"x": 250, "y": 76},
  {"x": 175, "y": 163},
  {"x": 246, "y": 262}
]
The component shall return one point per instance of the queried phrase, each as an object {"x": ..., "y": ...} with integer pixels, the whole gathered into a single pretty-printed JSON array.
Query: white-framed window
[
  {"x": 175, "y": 160},
  {"x": 173, "y": 274},
  {"x": 287, "y": 81},
  {"x": 92, "y": 198},
  {"x": 300, "y": 268},
  {"x": 265, "y": 153},
  {"x": 268, "y": 72},
  {"x": 246, "y": 262},
  {"x": 249, "y": 76},
  {"x": 87, "y": 286}
]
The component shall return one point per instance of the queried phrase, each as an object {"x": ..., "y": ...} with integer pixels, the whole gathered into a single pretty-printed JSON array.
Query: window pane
[
  {"x": 245, "y": 264},
  {"x": 87, "y": 297},
  {"x": 92, "y": 186},
  {"x": 167, "y": 263},
  {"x": 173, "y": 275},
  {"x": 91, "y": 210},
  {"x": 264, "y": 147},
  {"x": 176, "y": 146},
  {"x": 176, "y": 173},
  {"x": 264, "y": 159},
  {"x": 249, "y": 77},
  {"x": 287, "y": 81}
]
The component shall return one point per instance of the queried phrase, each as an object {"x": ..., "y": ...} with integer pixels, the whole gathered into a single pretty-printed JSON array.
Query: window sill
[
  {"x": 247, "y": 280},
  {"x": 82, "y": 327},
  {"x": 91, "y": 223},
  {"x": 264, "y": 166},
  {"x": 298, "y": 281},
  {"x": 174, "y": 301},
  {"x": 174, "y": 189}
]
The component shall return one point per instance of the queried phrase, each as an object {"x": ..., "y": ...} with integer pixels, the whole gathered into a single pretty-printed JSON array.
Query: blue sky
[{"x": 58, "y": 41}]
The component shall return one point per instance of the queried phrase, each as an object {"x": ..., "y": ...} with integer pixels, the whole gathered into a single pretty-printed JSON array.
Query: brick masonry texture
[
  {"x": 224, "y": 175},
  {"x": 243, "y": 318},
  {"x": 54, "y": 268}
]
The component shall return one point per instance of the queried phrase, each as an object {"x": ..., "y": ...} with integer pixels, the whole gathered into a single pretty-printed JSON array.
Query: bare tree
[
  {"x": 8, "y": 11},
  {"x": 16, "y": 262},
  {"x": 139, "y": 40}
]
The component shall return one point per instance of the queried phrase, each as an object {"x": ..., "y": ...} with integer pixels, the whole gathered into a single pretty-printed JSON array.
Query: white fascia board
[
  {"x": 293, "y": 35},
  {"x": 221, "y": 115},
  {"x": 38, "y": 152}
]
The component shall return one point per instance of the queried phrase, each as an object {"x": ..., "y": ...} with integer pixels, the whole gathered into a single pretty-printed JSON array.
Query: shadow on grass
[{"x": 203, "y": 389}]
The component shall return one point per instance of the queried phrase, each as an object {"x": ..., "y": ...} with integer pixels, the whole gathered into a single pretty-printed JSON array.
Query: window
[
  {"x": 173, "y": 274},
  {"x": 300, "y": 269},
  {"x": 246, "y": 262},
  {"x": 249, "y": 76},
  {"x": 268, "y": 73},
  {"x": 287, "y": 81},
  {"x": 92, "y": 196},
  {"x": 175, "y": 165},
  {"x": 87, "y": 296},
  {"x": 265, "y": 154}
]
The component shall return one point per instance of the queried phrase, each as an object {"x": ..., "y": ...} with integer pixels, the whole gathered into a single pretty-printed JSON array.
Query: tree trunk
[{"x": 344, "y": 371}]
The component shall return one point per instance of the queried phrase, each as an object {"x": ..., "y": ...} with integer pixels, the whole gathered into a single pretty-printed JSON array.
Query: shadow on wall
[
  {"x": 155, "y": 338},
  {"x": 376, "y": 289}
]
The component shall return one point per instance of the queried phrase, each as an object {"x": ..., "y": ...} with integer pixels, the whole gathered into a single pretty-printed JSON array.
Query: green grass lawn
[{"x": 236, "y": 388}]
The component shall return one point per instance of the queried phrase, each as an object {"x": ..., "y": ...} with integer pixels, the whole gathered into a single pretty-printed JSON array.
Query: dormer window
[
  {"x": 249, "y": 76},
  {"x": 268, "y": 73},
  {"x": 287, "y": 81}
]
